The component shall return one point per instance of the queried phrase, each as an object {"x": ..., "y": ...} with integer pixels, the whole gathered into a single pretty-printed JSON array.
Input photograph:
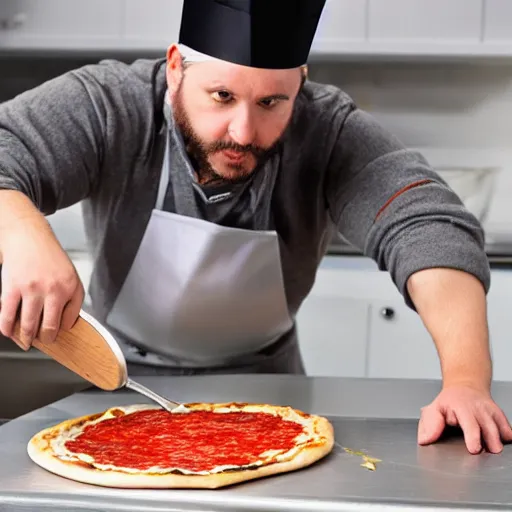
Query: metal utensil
[{"x": 89, "y": 350}]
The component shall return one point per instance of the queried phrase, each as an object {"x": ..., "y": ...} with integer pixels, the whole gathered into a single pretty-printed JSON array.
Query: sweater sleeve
[
  {"x": 51, "y": 142},
  {"x": 387, "y": 201}
]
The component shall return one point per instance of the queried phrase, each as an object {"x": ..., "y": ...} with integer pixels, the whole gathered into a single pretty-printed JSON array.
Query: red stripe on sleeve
[{"x": 399, "y": 193}]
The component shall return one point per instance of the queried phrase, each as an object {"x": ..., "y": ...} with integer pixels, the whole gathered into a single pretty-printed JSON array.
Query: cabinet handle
[{"x": 387, "y": 313}]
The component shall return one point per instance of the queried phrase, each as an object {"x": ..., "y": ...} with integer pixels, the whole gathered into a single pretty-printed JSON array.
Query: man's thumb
[{"x": 431, "y": 425}]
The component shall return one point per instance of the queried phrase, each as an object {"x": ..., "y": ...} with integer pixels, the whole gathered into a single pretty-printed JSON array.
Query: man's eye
[
  {"x": 222, "y": 96},
  {"x": 268, "y": 103}
]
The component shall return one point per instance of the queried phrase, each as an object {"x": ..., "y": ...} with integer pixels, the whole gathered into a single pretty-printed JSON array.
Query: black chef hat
[{"x": 273, "y": 34}]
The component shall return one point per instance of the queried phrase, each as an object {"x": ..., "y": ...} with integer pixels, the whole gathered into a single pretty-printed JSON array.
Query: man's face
[{"x": 231, "y": 116}]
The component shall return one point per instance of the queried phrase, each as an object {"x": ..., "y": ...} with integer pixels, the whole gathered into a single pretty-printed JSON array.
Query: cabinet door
[
  {"x": 498, "y": 21},
  {"x": 152, "y": 24},
  {"x": 332, "y": 334},
  {"x": 500, "y": 324},
  {"x": 500, "y": 333},
  {"x": 399, "y": 344},
  {"x": 434, "y": 21},
  {"x": 60, "y": 24},
  {"x": 342, "y": 21}
]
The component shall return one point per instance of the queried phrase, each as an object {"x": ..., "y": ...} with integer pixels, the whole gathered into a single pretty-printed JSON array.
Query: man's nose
[{"x": 242, "y": 129}]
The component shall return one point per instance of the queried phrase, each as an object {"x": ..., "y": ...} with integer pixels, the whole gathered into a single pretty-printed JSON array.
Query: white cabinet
[
  {"x": 152, "y": 24},
  {"x": 498, "y": 21},
  {"x": 342, "y": 23},
  {"x": 333, "y": 333},
  {"x": 415, "y": 28},
  {"x": 399, "y": 345},
  {"x": 332, "y": 323},
  {"x": 501, "y": 340},
  {"x": 60, "y": 24},
  {"x": 431, "y": 21},
  {"x": 356, "y": 323},
  {"x": 500, "y": 324}
]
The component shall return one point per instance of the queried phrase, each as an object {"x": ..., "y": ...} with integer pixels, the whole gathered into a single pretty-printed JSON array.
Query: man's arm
[
  {"x": 452, "y": 305},
  {"x": 51, "y": 142},
  {"x": 387, "y": 200}
]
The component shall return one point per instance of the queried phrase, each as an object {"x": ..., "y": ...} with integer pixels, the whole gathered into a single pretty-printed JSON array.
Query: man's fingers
[
  {"x": 31, "y": 309},
  {"x": 9, "y": 304},
  {"x": 52, "y": 315},
  {"x": 72, "y": 309},
  {"x": 451, "y": 419},
  {"x": 490, "y": 434},
  {"x": 431, "y": 425},
  {"x": 471, "y": 430},
  {"x": 504, "y": 427}
]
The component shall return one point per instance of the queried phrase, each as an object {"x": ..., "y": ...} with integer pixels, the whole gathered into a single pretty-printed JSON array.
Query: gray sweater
[{"x": 97, "y": 134}]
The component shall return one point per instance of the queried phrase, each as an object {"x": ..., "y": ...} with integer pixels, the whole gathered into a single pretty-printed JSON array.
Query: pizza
[{"x": 198, "y": 445}]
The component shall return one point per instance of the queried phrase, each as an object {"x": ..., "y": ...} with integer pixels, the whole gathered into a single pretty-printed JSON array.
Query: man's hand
[
  {"x": 39, "y": 284},
  {"x": 452, "y": 305},
  {"x": 471, "y": 409}
]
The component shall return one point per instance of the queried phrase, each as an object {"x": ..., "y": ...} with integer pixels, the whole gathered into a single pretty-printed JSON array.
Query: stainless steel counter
[{"x": 376, "y": 416}]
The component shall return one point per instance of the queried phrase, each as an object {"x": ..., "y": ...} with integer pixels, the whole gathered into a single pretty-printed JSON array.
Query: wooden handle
[{"x": 84, "y": 351}]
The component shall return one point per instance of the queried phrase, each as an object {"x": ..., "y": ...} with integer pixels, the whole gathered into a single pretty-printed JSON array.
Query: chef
[{"x": 211, "y": 183}]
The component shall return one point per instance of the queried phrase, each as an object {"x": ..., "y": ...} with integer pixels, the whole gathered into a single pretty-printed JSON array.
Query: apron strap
[
  {"x": 175, "y": 162},
  {"x": 164, "y": 178}
]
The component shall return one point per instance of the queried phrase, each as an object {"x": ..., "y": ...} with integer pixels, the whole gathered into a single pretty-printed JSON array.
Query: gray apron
[{"x": 203, "y": 296}]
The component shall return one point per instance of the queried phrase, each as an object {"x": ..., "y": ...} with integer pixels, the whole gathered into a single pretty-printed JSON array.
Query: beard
[{"x": 200, "y": 150}]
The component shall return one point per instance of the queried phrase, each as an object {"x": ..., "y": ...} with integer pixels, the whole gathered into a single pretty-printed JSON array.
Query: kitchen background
[{"x": 437, "y": 73}]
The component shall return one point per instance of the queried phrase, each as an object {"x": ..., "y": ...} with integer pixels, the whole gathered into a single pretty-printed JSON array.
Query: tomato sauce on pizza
[{"x": 195, "y": 441}]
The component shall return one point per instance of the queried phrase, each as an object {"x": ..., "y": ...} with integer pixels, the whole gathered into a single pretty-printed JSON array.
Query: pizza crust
[{"x": 41, "y": 452}]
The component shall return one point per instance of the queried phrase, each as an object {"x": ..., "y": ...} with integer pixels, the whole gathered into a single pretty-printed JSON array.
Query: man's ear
[
  {"x": 304, "y": 76},
  {"x": 174, "y": 68}
]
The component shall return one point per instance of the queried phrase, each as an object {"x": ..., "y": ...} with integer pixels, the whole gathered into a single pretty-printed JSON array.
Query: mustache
[{"x": 257, "y": 151}]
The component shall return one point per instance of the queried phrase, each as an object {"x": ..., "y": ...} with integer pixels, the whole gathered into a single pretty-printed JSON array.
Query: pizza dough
[{"x": 209, "y": 446}]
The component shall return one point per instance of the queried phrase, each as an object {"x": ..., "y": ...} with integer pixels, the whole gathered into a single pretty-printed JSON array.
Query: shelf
[{"x": 411, "y": 51}]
